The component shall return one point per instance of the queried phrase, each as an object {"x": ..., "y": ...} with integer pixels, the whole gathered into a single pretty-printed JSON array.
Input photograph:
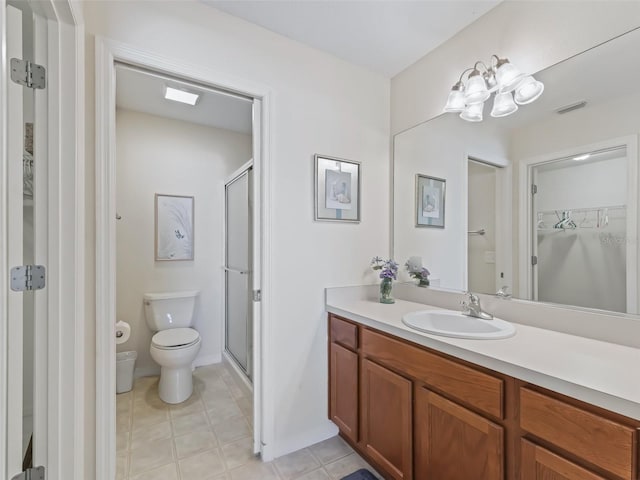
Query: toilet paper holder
[{"x": 119, "y": 333}]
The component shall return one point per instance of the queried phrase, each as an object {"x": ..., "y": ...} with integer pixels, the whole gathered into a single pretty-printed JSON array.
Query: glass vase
[
  {"x": 385, "y": 291},
  {"x": 423, "y": 282}
]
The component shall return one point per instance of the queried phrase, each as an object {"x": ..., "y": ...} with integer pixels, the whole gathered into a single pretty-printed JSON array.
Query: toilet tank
[{"x": 170, "y": 309}]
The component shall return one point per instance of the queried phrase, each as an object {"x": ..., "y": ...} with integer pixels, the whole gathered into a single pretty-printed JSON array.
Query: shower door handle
[{"x": 235, "y": 270}]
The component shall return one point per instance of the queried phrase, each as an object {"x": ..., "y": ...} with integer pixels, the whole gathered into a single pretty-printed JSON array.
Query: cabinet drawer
[
  {"x": 343, "y": 332},
  {"x": 474, "y": 388},
  {"x": 600, "y": 441}
]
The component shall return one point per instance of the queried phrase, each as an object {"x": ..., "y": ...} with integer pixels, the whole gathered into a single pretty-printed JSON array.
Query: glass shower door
[{"x": 238, "y": 275}]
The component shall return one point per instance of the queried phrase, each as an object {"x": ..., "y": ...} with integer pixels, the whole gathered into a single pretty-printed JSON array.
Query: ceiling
[
  {"x": 144, "y": 92},
  {"x": 385, "y": 36}
]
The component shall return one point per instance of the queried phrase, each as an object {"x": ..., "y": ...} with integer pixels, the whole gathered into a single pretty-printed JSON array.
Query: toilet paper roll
[{"x": 123, "y": 332}]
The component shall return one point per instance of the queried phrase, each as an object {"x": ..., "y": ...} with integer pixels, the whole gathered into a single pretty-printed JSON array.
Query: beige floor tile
[
  {"x": 202, "y": 465},
  {"x": 319, "y": 474},
  {"x": 330, "y": 450},
  {"x": 192, "y": 443},
  {"x": 193, "y": 404},
  {"x": 295, "y": 464},
  {"x": 195, "y": 422},
  {"x": 224, "y": 476},
  {"x": 347, "y": 465},
  {"x": 246, "y": 405},
  {"x": 238, "y": 453},
  {"x": 144, "y": 435},
  {"x": 122, "y": 466},
  {"x": 211, "y": 398},
  {"x": 256, "y": 470},
  {"x": 152, "y": 455},
  {"x": 231, "y": 430},
  {"x": 123, "y": 422},
  {"x": 167, "y": 472},
  {"x": 122, "y": 441},
  {"x": 223, "y": 412},
  {"x": 146, "y": 418}
]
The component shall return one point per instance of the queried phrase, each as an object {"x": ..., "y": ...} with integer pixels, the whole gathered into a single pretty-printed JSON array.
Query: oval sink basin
[{"x": 454, "y": 324}]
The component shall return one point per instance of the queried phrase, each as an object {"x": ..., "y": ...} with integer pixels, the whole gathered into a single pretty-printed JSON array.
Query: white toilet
[{"x": 175, "y": 346}]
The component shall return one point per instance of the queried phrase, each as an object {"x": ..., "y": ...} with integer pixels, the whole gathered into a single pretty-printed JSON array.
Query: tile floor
[{"x": 209, "y": 437}]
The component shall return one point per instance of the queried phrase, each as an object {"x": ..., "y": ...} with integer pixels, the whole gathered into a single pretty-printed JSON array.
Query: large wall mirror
[{"x": 544, "y": 201}]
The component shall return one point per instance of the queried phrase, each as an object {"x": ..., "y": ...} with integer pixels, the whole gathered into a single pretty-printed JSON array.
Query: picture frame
[
  {"x": 337, "y": 189},
  {"x": 430, "y": 201},
  {"x": 174, "y": 227}
]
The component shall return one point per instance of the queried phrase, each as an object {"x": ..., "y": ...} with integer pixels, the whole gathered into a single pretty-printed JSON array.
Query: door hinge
[
  {"x": 257, "y": 295},
  {"x": 36, "y": 473},
  {"x": 534, "y": 260},
  {"x": 28, "y": 277},
  {"x": 31, "y": 75},
  {"x": 534, "y": 189}
]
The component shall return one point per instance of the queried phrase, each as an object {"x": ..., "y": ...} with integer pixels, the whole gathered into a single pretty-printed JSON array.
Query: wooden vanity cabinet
[
  {"x": 386, "y": 419},
  {"x": 417, "y": 414},
  {"x": 343, "y": 377},
  {"x": 453, "y": 442}
]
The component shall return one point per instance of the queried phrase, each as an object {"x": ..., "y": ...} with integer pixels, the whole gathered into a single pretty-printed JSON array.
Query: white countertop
[{"x": 601, "y": 373}]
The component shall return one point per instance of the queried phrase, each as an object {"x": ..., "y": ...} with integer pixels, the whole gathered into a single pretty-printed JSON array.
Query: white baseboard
[
  {"x": 203, "y": 360},
  {"x": 146, "y": 372}
]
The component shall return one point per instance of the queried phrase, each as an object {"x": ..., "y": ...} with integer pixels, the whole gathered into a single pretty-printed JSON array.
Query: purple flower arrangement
[
  {"x": 388, "y": 268},
  {"x": 422, "y": 274}
]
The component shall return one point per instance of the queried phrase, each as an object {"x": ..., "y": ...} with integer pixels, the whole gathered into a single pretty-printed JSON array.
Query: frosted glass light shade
[
  {"x": 503, "y": 105},
  {"x": 473, "y": 112},
  {"x": 508, "y": 77},
  {"x": 476, "y": 91},
  {"x": 455, "y": 102},
  {"x": 528, "y": 90}
]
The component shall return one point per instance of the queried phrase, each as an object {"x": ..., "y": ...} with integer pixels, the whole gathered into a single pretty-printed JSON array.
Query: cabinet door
[
  {"x": 386, "y": 419},
  {"x": 343, "y": 390},
  {"x": 538, "y": 463},
  {"x": 454, "y": 443}
]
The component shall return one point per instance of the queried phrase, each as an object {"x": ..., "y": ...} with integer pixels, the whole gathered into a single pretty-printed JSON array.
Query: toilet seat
[{"x": 175, "y": 338}]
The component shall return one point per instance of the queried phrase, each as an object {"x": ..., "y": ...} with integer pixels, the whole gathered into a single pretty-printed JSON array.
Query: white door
[
  {"x": 26, "y": 404},
  {"x": 238, "y": 271}
]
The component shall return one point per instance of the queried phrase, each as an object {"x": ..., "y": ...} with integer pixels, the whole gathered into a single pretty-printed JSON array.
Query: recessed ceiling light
[
  {"x": 180, "y": 95},
  {"x": 582, "y": 157}
]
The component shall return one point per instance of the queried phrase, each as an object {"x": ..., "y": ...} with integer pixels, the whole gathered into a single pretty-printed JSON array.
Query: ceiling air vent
[{"x": 571, "y": 107}]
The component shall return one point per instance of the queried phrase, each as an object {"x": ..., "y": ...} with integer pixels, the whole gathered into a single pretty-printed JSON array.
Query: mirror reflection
[{"x": 542, "y": 204}]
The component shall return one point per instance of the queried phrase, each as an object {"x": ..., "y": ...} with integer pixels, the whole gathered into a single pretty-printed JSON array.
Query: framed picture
[
  {"x": 430, "y": 195},
  {"x": 337, "y": 189},
  {"x": 174, "y": 227}
]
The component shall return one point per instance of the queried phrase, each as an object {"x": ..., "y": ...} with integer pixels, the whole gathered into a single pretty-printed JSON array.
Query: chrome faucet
[
  {"x": 502, "y": 293},
  {"x": 472, "y": 308}
]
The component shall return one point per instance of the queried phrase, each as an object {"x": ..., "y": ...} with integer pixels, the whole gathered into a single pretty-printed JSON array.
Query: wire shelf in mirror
[{"x": 578, "y": 218}]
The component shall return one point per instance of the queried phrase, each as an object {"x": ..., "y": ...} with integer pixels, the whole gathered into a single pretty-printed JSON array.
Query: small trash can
[{"x": 125, "y": 362}]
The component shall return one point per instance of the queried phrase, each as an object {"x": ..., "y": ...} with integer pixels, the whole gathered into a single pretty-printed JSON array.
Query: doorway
[{"x": 108, "y": 53}]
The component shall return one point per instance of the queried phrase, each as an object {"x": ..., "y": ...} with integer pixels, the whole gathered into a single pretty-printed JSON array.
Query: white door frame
[
  {"x": 59, "y": 343},
  {"x": 107, "y": 53},
  {"x": 525, "y": 240}
]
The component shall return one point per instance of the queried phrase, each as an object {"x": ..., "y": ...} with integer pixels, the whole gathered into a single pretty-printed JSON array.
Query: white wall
[
  {"x": 161, "y": 155},
  {"x": 320, "y": 104},
  {"x": 533, "y": 34}
]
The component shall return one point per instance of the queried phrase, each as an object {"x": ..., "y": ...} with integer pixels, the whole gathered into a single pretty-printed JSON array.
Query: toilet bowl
[{"x": 175, "y": 345}]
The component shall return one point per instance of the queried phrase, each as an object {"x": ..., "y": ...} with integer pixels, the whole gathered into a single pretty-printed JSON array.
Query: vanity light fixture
[
  {"x": 511, "y": 86},
  {"x": 181, "y": 96},
  {"x": 579, "y": 158}
]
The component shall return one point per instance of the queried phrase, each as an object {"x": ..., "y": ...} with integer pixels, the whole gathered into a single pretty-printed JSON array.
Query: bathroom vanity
[{"x": 416, "y": 407}]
